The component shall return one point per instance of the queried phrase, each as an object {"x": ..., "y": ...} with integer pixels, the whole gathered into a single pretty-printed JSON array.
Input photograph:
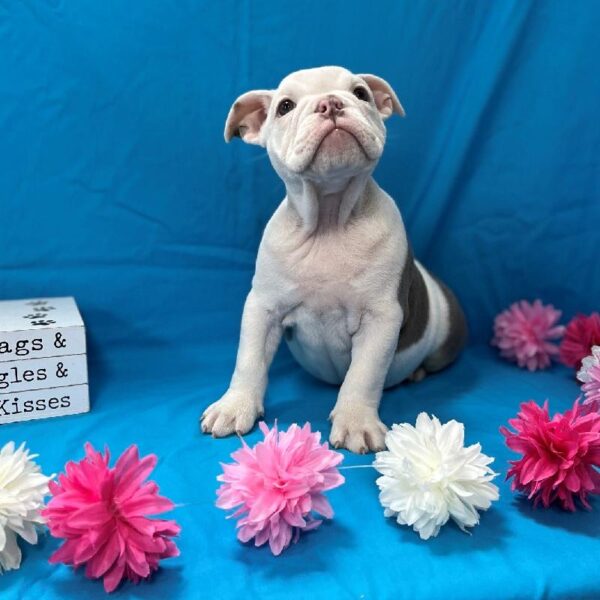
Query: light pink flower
[
  {"x": 560, "y": 455},
  {"x": 101, "y": 512},
  {"x": 524, "y": 331},
  {"x": 589, "y": 375},
  {"x": 278, "y": 484}
]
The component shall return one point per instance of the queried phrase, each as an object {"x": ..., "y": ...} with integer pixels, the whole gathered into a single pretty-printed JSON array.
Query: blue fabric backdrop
[{"x": 116, "y": 187}]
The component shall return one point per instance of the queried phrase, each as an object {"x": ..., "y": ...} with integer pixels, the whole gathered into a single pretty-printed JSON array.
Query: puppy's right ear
[{"x": 247, "y": 116}]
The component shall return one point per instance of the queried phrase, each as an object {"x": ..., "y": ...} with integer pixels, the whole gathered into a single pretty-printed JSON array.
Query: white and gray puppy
[{"x": 335, "y": 275}]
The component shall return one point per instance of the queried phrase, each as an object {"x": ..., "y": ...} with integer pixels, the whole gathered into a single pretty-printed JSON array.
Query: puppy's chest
[
  {"x": 323, "y": 287},
  {"x": 325, "y": 273},
  {"x": 324, "y": 291}
]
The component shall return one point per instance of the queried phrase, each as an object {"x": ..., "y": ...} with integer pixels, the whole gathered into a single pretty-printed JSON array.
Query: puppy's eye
[
  {"x": 361, "y": 93},
  {"x": 285, "y": 106}
]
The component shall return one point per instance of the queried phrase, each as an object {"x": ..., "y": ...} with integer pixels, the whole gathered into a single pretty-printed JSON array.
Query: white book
[
  {"x": 42, "y": 373},
  {"x": 40, "y": 328},
  {"x": 40, "y": 404}
]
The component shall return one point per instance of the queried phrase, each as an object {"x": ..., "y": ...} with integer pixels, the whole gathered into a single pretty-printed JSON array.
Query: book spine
[
  {"x": 40, "y": 404},
  {"x": 42, "y": 373},
  {"x": 41, "y": 343}
]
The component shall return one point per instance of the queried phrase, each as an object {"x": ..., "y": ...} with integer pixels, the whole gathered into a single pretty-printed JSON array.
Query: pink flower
[
  {"x": 581, "y": 334},
  {"x": 523, "y": 333},
  {"x": 560, "y": 455},
  {"x": 278, "y": 484},
  {"x": 589, "y": 375},
  {"x": 101, "y": 513}
]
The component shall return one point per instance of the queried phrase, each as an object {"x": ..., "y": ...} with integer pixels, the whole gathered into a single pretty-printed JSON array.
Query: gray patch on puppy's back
[
  {"x": 414, "y": 300},
  {"x": 457, "y": 334}
]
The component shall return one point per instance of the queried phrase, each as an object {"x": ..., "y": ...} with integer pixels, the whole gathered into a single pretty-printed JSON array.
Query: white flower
[
  {"x": 429, "y": 476},
  {"x": 22, "y": 491},
  {"x": 584, "y": 374}
]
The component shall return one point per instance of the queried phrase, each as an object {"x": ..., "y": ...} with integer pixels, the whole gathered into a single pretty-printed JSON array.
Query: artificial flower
[
  {"x": 22, "y": 491},
  {"x": 277, "y": 485},
  {"x": 102, "y": 514},
  {"x": 589, "y": 375},
  {"x": 428, "y": 476},
  {"x": 560, "y": 456},
  {"x": 581, "y": 334},
  {"x": 524, "y": 334}
]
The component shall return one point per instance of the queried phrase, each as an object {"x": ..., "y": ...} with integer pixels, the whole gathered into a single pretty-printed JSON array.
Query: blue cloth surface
[{"x": 116, "y": 187}]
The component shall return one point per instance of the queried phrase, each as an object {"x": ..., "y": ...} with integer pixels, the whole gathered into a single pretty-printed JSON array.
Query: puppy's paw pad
[
  {"x": 358, "y": 432},
  {"x": 231, "y": 414}
]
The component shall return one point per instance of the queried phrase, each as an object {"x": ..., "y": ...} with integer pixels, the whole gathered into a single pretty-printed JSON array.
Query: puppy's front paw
[
  {"x": 233, "y": 413},
  {"x": 357, "y": 429}
]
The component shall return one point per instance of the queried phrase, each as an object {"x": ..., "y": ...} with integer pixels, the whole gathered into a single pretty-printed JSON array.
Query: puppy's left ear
[
  {"x": 385, "y": 98},
  {"x": 247, "y": 116}
]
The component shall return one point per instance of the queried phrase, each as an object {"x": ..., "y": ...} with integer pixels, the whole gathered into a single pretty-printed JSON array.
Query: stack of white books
[{"x": 43, "y": 362}]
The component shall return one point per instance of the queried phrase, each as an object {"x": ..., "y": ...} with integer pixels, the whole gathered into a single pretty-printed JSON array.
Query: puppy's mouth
[
  {"x": 334, "y": 144},
  {"x": 336, "y": 136},
  {"x": 337, "y": 139}
]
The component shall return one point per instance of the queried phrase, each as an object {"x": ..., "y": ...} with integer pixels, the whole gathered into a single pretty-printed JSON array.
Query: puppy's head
[{"x": 318, "y": 123}]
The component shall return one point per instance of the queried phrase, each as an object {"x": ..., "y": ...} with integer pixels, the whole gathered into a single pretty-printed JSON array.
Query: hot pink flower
[
  {"x": 589, "y": 375},
  {"x": 560, "y": 455},
  {"x": 581, "y": 334},
  {"x": 278, "y": 484},
  {"x": 101, "y": 512},
  {"x": 523, "y": 333}
]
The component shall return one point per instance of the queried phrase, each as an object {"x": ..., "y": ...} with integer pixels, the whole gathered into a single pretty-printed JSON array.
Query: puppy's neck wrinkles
[{"x": 328, "y": 206}]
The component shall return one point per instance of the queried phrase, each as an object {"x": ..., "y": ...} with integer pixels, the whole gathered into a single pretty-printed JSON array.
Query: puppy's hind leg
[{"x": 456, "y": 338}]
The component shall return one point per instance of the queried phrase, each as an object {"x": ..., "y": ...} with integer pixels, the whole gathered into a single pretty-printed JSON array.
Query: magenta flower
[
  {"x": 582, "y": 332},
  {"x": 560, "y": 455},
  {"x": 524, "y": 331},
  {"x": 589, "y": 375},
  {"x": 278, "y": 484},
  {"x": 101, "y": 512}
]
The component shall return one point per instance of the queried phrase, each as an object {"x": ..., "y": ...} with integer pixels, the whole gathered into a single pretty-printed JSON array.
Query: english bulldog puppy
[{"x": 335, "y": 275}]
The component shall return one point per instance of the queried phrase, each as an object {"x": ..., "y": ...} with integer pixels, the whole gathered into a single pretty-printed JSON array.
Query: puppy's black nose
[{"x": 330, "y": 106}]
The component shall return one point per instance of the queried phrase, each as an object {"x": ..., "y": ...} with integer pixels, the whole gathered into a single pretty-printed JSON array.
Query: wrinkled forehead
[{"x": 316, "y": 81}]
